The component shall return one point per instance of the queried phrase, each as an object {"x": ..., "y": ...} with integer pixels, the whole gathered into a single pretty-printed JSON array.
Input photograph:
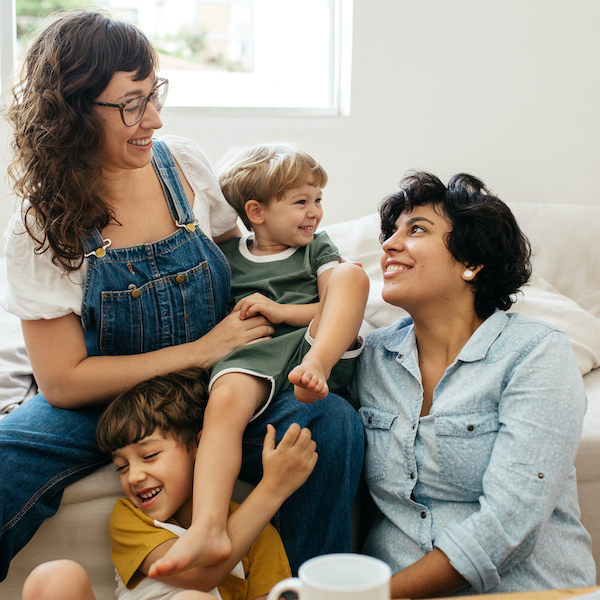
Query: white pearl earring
[{"x": 468, "y": 273}]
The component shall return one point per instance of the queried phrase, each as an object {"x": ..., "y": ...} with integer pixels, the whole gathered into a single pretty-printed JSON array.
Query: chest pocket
[
  {"x": 464, "y": 444},
  {"x": 378, "y": 428},
  {"x": 168, "y": 311}
]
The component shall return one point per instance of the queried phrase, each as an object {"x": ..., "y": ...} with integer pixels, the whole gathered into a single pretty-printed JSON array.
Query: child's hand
[
  {"x": 257, "y": 304},
  {"x": 287, "y": 466}
]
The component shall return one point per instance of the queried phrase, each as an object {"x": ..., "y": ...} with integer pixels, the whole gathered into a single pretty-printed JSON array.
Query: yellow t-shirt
[{"x": 134, "y": 535}]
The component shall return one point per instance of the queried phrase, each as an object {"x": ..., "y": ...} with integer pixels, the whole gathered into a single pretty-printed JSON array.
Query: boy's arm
[{"x": 286, "y": 467}]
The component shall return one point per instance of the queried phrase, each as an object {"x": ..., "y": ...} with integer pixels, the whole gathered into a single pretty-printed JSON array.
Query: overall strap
[
  {"x": 166, "y": 169},
  {"x": 94, "y": 245}
]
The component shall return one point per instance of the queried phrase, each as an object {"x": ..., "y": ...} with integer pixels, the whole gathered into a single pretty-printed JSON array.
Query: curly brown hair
[{"x": 57, "y": 133}]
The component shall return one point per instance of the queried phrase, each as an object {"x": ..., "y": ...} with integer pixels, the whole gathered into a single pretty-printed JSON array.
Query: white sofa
[{"x": 565, "y": 290}]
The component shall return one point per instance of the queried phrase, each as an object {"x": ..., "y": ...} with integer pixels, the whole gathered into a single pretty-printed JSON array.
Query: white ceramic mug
[{"x": 339, "y": 577}]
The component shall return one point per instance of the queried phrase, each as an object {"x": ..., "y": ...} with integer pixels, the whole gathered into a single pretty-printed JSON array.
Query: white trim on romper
[
  {"x": 348, "y": 354},
  {"x": 263, "y": 258},
  {"x": 261, "y": 410}
]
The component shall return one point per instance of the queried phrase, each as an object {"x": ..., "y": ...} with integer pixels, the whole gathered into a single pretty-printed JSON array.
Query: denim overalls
[
  {"x": 151, "y": 296},
  {"x": 147, "y": 297}
]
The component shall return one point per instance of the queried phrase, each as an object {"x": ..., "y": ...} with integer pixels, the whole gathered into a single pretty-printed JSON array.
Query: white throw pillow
[
  {"x": 542, "y": 301},
  {"x": 566, "y": 248}
]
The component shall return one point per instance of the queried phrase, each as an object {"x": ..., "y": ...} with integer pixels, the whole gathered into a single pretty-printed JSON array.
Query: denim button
[
  {"x": 423, "y": 515},
  {"x": 190, "y": 227},
  {"x": 136, "y": 293},
  {"x": 180, "y": 278}
]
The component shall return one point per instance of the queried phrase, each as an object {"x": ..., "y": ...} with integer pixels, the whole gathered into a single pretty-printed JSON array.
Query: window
[{"x": 273, "y": 56}]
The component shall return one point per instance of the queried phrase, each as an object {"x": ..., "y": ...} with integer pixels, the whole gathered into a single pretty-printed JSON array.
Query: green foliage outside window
[{"x": 189, "y": 46}]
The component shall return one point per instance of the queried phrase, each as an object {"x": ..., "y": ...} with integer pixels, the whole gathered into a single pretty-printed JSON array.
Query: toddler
[{"x": 293, "y": 276}]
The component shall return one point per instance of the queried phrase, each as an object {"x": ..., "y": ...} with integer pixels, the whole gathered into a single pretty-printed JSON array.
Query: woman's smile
[{"x": 141, "y": 141}]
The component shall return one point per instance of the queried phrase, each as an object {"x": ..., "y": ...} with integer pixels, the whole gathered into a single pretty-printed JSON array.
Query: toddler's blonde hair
[{"x": 264, "y": 172}]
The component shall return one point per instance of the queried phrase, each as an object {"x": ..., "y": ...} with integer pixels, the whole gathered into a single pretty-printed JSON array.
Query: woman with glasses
[{"x": 113, "y": 268}]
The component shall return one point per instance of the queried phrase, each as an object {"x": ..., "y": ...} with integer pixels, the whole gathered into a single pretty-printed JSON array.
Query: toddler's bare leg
[
  {"x": 233, "y": 400},
  {"x": 334, "y": 330},
  {"x": 57, "y": 580}
]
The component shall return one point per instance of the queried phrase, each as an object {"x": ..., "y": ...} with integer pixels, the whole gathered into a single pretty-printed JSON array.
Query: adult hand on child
[{"x": 230, "y": 333}]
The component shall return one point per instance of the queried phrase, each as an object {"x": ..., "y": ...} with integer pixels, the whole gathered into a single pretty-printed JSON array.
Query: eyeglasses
[{"x": 132, "y": 111}]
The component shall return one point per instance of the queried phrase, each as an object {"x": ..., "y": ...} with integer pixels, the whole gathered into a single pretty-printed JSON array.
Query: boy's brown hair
[
  {"x": 264, "y": 172},
  {"x": 174, "y": 404}
]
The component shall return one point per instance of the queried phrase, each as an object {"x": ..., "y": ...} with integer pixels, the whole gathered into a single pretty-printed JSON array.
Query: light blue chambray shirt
[{"x": 487, "y": 477}]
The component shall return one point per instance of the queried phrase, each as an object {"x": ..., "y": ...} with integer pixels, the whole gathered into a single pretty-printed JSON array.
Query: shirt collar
[
  {"x": 485, "y": 335},
  {"x": 400, "y": 337}
]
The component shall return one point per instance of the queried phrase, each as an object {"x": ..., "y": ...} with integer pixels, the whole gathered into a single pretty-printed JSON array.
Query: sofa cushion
[
  {"x": 542, "y": 301},
  {"x": 566, "y": 248}
]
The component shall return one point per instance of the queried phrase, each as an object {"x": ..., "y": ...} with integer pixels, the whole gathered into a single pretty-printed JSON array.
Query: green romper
[{"x": 289, "y": 277}]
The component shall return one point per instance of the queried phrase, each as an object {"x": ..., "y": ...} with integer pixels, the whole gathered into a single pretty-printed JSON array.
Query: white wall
[{"x": 508, "y": 90}]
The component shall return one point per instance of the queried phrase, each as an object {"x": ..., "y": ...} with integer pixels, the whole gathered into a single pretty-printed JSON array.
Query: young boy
[
  {"x": 151, "y": 432},
  {"x": 293, "y": 276}
]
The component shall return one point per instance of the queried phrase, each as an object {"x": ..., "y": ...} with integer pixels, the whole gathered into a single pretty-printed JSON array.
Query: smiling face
[
  {"x": 127, "y": 147},
  {"x": 156, "y": 475},
  {"x": 291, "y": 220},
  {"x": 418, "y": 269}
]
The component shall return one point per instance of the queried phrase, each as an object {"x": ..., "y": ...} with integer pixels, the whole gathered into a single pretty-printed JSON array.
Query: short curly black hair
[{"x": 483, "y": 232}]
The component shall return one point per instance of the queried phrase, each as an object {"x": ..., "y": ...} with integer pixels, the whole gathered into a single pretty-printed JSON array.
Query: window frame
[
  {"x": 8, "y": 43},
  {"x": 340, "y": 58}
]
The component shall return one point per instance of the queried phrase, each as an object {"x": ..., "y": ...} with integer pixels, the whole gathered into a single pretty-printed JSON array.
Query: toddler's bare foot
[
  {"x": 310, "y": 382},
  {"x": 197, "y": 547}
]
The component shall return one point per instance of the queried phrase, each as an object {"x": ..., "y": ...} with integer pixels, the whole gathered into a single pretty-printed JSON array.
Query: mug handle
[{"x": 293, "y": 584}]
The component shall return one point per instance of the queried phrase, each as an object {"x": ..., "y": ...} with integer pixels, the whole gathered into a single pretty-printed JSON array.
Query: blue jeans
[{"x": 44, "y": 449}]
